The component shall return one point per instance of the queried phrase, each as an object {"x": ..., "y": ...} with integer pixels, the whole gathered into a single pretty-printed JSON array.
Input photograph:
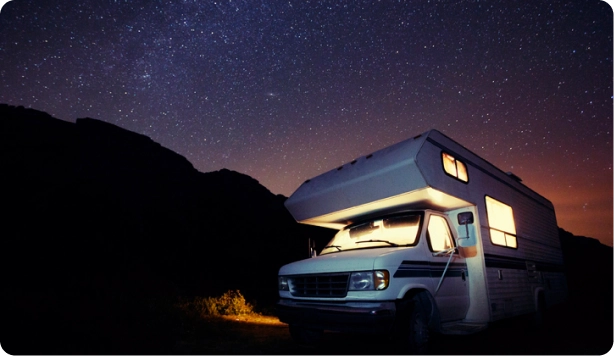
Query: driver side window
[{"x": 439, "y": 235}]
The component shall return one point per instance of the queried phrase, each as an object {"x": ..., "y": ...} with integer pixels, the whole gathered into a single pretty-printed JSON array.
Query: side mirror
[{"x": 465, "y": 218}]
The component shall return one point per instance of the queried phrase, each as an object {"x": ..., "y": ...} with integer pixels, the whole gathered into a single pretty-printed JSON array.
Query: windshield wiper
[
  {"x": 338, "y": 247},
  {"x": 388, "y": 242}
]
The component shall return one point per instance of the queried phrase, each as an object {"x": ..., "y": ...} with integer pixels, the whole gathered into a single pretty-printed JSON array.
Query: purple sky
[{"x": 286, "y": 90}]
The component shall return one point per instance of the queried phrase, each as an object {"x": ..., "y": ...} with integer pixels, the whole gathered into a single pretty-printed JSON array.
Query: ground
[{"x": 566, "y": 332}]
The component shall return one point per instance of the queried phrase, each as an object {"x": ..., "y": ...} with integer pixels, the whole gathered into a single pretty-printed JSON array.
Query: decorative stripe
[{"x": 429, "y": 269}]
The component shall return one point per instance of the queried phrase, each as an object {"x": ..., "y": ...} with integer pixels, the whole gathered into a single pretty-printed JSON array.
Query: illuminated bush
[{"x": 230, "y": 303}]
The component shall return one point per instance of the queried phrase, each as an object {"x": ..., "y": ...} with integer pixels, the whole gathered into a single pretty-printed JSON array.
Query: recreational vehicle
[{"x": 431, "y": 238}]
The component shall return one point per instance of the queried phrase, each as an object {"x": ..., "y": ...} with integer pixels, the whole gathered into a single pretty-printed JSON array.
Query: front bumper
[{"x": 363, "y": 317}]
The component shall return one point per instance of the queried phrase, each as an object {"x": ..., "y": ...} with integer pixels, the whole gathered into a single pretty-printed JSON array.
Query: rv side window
[
  {"x": 501, "y": 222},
  {"x": 454, "y": 167},
  {"x": 439, "y": 234}
]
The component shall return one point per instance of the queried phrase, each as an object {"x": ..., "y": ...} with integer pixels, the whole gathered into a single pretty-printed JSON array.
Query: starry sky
[{"x": 285, "y": 90}]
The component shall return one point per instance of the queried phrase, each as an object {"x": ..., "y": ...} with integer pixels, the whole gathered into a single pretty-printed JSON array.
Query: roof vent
[{"x": 513, "y": 176}]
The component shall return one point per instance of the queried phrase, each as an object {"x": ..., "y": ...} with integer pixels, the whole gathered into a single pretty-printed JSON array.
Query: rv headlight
[
  {"x": 369, "y": 280},
  {"x": 282, "y": 283}
]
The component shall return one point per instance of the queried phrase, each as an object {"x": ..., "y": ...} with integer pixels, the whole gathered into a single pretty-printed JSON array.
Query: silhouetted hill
[
  {"x": 590, "y": 274},
  {"x": 99, "y": 221},
  {"x": 101, "y": 227}
]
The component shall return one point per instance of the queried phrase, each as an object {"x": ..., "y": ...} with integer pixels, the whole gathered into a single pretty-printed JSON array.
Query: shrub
[
  {"x": 233, "y": 303},
  {"x": 230, "y": 303}
]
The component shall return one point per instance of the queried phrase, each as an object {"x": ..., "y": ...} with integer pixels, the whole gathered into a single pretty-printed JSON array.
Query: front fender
[{"x": 404, "y": 291}]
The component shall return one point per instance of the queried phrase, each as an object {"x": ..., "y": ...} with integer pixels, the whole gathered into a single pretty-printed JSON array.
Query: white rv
[{"x": 431, "y": 237}]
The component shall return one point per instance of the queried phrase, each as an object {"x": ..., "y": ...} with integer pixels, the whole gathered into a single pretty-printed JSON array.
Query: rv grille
[{"x": 320, "y": 285}]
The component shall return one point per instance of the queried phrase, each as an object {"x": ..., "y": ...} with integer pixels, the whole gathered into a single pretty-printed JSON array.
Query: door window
[{"x": 439, "y": 235}]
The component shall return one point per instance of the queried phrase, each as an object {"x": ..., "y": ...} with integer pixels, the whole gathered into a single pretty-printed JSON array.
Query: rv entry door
[{"x": 448, "y": 270}]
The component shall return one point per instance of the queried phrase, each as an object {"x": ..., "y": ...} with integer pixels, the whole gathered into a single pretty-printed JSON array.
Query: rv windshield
[{"x": 400, "y": 230}]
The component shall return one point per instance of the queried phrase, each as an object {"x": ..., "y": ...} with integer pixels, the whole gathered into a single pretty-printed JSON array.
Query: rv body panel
[
  {"x": 386, "y": 181},
  {"x": 385, "y": 175}
]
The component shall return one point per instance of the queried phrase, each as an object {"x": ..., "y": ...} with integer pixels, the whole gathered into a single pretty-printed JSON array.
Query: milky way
[{"x": 286, "y": 90}]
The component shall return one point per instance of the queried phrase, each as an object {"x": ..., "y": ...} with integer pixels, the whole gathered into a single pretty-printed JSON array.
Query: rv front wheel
[
  {"x": 539, "y": 316},
  {"x": 305, "y": 336},
  {"x": 414, "y": 329}
]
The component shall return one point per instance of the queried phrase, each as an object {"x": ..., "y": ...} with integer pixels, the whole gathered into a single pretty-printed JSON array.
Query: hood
[{"x": 356, "y": 260}]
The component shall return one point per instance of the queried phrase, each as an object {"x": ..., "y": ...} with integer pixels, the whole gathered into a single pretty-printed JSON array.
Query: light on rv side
[
  {"x": 454, "y": 167},
  {"x": 501, "y": 222}
]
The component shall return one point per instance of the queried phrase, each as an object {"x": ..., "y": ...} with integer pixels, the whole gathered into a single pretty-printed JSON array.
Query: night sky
[{"x": 286, "y": 90}]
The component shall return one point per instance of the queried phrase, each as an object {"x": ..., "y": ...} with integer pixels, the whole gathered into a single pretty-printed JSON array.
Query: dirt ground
[{"x": 566, "y": 332}]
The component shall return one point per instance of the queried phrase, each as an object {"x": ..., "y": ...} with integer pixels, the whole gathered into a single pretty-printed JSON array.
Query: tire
[
  {"x": 539, "y": 317},
  {"x": 305, "y": 336},
  {"x": 414, "y": 333}
]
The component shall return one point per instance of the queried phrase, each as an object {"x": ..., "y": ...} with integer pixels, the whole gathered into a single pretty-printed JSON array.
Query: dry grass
[
  {"x": 255, "y": 319},
  {"x": 244, "y": 334},
  {"x": 229, "y": 325}
]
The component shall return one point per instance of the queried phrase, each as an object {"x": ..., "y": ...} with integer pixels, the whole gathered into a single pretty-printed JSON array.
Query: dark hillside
[
  {"x": 102, "y": 229},
  {"x": 99, "y": 223},
  {"x": 590, "y": 277}
]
